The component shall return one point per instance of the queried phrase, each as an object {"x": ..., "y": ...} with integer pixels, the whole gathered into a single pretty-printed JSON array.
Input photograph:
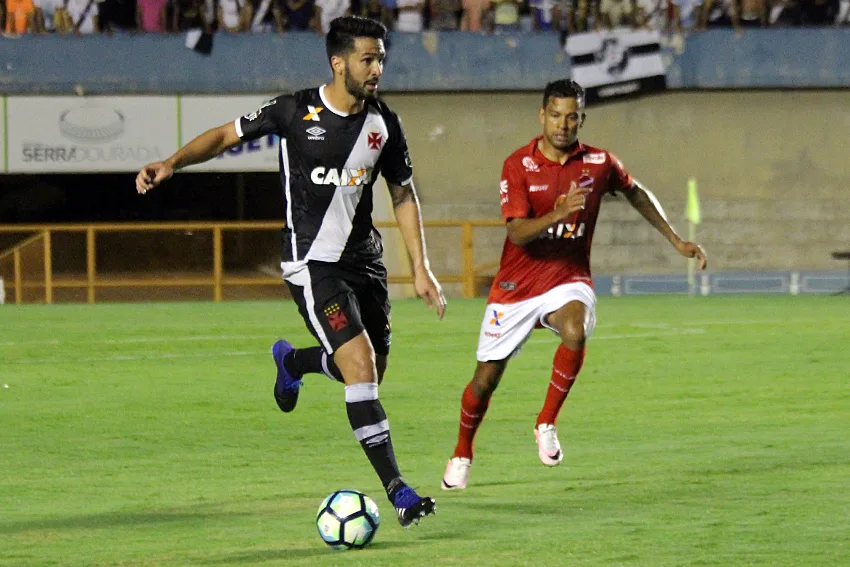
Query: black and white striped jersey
[{"x": 329, "y": 161}]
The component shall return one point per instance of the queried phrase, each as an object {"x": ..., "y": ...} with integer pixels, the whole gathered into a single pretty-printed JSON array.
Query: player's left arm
[
  {"x": 397, "y": 169},
  {"x": 409, "y": 218},
  {"x": 645, "y": 202}
]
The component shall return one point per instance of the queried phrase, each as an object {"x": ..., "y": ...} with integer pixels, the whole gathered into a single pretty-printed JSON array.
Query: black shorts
[{"x": 338, "y": 302}]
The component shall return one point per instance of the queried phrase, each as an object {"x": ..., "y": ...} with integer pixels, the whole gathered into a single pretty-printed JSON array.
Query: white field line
[
  {"x": 135, "y": 357},
  {"x": 140, "y": 340},
  {"x": 272, "y": 334},
  {"x": 700, "y": 324},
  {"x": 218, "y": 354},
  {"x": 682, "y": 331}
]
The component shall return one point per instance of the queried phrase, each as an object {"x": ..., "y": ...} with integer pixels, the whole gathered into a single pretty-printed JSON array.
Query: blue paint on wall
[
  {"x": 147, "y": 64},
  {"x": 779, "y": 58}
]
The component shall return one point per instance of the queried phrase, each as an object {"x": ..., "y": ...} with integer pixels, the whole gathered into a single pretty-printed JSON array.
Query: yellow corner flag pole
[{"x": 693, "y": 215}]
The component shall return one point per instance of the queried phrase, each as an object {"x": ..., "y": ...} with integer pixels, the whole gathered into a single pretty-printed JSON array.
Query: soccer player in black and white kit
[{"x": 334, "y": 141}]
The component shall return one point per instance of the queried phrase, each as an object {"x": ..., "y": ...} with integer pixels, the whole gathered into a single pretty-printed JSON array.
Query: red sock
[
  {"x": 565, "y": 369},
  {"x": 472, "y": 410}
]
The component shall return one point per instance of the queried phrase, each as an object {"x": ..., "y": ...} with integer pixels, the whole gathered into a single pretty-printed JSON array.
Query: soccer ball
[{"x": 348, "y": 519}]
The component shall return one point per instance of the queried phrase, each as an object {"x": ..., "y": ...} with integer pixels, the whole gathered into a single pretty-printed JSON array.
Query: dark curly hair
[{"x": 344, "y": 30}]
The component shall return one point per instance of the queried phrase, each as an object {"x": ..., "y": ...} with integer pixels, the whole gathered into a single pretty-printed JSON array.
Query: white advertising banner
[
  {"x": 89, "y": 134},
  {"x": 200, "y": 113}
]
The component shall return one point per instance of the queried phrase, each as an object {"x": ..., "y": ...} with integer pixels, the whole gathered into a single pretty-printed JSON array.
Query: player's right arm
[
  {"x": 516, "y": 208},
  {"x": 271, "y": 118},
  {"x": 205, "y": 147},
  {"x": 521, "y": 231}
]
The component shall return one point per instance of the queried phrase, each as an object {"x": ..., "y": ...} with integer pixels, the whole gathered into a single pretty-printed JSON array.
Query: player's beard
[{"x": 357, "y": 90}]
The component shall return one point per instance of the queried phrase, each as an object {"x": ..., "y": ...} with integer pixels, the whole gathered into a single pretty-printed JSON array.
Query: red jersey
[{"x": 530, "y": 184}]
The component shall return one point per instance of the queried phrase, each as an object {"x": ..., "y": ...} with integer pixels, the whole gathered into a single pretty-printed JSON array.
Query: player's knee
[
  {"x": 363, "y": 368},
  {"x": 487, "y": 378},
  {"x": 356, "y": 360},
  {"x": 572, "y": 334},
  {"x": 358, "y": 367},
  {"x": 483, "y": 387}
]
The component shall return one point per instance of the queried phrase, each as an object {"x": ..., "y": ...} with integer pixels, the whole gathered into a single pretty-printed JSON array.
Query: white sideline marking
[
  {"x": 550, "y": 337},
  {"x": 593, "y": 338},
  {"x": 672, "y": 332},
  {"x": 202, "y": 338},
  {"x": 189, "y": 338},
  {"x": 699, "y": 324},
  {"x": 272, "y": 334},
  {"x": 638, "y": 326},
  {"x": 179, "y": 356},
  {"x": 134, "y": 357}
]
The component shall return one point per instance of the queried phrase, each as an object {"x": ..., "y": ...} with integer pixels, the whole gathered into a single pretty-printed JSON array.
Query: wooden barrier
[{"x": 217, "y": 279}]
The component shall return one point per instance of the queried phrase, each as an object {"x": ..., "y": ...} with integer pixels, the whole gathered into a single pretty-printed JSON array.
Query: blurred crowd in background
[{"x": 482, "y": 16}]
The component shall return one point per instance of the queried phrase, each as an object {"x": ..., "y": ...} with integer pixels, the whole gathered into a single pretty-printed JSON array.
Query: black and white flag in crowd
[
  {"x": 199, "y": 40},
  {"x": 616, "y": 63}
]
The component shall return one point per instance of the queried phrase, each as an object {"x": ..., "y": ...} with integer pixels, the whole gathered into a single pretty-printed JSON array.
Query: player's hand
[
  {"x": 573, "y": 202},
  {"x": 429, "y": 289},
  {"x": 152, "y": 175},
  {"x": 691, "y": 250}
]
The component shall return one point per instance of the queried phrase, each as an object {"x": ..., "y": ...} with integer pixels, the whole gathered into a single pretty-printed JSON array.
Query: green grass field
[{"x": 710, "y": 431}]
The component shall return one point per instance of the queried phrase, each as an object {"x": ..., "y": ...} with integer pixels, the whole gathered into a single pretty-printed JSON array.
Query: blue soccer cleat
[
  {"x": 410, "y": 507},
  {"x": 286, "y": 385}
]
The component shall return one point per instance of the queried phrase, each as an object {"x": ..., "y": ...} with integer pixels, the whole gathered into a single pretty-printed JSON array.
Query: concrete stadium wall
[{"x": 772, "y": 168}]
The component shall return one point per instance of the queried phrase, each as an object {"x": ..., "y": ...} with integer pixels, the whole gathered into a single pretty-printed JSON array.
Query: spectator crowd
[{"x": 488, "y": 16}]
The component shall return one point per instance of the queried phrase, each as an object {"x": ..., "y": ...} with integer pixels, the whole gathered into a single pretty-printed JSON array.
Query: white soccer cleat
[
  {"x": 548, "y": 446},
  {"x": 457, "y": 473}
]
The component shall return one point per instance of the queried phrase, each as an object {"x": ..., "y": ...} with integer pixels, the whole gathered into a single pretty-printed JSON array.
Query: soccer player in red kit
[{"x": 550, "y": 191}]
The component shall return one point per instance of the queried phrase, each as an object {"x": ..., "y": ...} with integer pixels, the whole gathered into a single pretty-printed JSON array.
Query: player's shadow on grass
[
  {"x": 264, "y": 555},
  {"x": 116, "y": 519},
  {"x": 501, "y": 483},
  {"x": 534, "y": 509}
]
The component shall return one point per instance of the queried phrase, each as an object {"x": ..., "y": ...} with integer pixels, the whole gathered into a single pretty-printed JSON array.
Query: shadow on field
[
  {"x": 264, "y": 555},
  {"x": 501, "y": 483},
  {"x": 535, "y": 509},
  {"x": 115, "y": 519}
]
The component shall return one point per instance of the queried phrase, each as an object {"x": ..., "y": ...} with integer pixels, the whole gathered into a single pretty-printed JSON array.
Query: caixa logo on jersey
[
  {"x": 564, "y": 230},
  {"x": 342, "y": 177}
]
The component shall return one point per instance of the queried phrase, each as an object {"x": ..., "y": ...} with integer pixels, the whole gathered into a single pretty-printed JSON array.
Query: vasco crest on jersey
[{"x": 375, "y": 141}]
